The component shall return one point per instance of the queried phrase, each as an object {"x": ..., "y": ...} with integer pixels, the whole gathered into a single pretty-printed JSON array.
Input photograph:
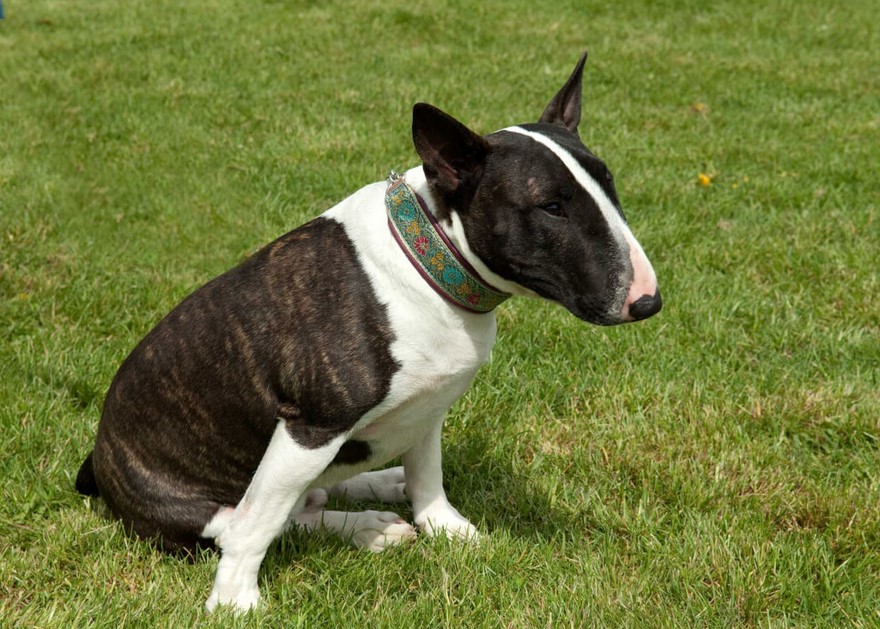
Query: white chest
[{"x": 438, "y": 347}]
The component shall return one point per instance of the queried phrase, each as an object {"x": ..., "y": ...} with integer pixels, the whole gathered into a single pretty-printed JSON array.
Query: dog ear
[
  {"x": 453, "y": 155},
  {"x": 565, "y": 108}
]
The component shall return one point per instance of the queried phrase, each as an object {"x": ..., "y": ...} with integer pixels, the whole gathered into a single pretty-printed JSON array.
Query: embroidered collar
[{"x": 432, "y": 254}]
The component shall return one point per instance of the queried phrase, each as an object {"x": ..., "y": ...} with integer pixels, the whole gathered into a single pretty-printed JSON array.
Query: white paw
[
  {"x": 235, "y": 583},
  {"x": 449, "y": 523},
  {"x": 378, "y": 530},
  {"x": 242, "y": 601},
  {"x": 383, "y": 485},
  {"x": 388, "y": 485}
]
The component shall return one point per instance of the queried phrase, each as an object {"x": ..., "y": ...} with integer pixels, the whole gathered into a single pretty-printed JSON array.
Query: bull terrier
[{"x": 342, "y": 344}]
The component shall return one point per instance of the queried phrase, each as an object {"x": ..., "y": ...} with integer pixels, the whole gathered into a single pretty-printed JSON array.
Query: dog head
[{"x": 540, "y": 211}]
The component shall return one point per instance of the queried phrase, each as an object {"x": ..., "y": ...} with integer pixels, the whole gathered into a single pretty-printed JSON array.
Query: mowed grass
[{"x": 716, "y": 465}]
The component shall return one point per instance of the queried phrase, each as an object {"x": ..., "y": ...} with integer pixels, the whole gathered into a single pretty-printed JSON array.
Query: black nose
[{"x": 646, "y": 306}]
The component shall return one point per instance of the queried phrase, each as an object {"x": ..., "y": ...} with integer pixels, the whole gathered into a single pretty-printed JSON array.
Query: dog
[{"x": 342, "y": 344}]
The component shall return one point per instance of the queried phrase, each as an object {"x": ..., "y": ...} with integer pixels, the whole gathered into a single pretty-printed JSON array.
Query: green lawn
[{"x": 717, "y": 465}]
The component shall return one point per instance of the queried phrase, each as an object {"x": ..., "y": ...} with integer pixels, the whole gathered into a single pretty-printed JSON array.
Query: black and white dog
[{"x": 342, "y": 344}]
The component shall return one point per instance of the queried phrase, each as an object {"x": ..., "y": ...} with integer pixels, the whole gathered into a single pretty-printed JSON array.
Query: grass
[{"x": 717, "y": 465}]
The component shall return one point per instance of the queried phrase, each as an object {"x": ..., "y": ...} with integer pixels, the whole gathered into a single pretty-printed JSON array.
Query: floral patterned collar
[{"x": 432, "y": 254}]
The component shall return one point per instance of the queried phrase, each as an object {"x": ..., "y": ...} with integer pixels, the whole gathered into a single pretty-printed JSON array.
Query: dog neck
[{"x": 432, "y": 253}]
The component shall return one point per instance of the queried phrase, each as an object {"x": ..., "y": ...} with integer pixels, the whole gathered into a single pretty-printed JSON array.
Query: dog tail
[{"x": 85, "y": 479}]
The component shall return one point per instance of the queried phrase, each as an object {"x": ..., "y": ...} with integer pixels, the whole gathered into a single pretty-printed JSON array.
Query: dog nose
[{"x": 645, "y": 306}]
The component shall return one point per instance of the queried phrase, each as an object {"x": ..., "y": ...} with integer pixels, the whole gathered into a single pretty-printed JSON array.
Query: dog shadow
[{"x": 498, "y": 493}]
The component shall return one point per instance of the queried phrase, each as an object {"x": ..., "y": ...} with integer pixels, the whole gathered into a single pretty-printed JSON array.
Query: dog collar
[{"x": 431, "y": 252}]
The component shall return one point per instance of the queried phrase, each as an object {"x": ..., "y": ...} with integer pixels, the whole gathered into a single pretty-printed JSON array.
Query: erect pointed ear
[
  {"x": 452, "y": 154},
  {"x": 565, "y": 108}
]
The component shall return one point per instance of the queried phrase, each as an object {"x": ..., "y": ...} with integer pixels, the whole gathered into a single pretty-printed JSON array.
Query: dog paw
[
  {"x": 383, "y": 485},
  {"x": 388, "y": 485},
  {"x": 377, "y": 530},
  {"x": 240, "y": 602},
  {"x": 449, "y": 523}
]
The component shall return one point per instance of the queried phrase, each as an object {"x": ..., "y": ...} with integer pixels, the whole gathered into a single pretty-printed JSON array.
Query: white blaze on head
[{"x": 643, "y": 281}]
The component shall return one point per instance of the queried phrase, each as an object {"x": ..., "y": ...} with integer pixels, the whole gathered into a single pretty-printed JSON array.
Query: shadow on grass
[{"x": 485, "y": 485}]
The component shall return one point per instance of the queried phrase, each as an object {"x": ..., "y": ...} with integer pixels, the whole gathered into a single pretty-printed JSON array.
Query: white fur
[
  {"x": 276, "y": 491},
  {"x": 371, "y": 530},
  {"x": 424, "y": 482},
  {"x": 384, "y": 485}
]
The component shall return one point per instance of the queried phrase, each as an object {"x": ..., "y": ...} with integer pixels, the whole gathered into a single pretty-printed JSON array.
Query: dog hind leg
[
  {"x": 372, "y": 530},
  {"x": 383, "y": 485},
  {"x": 276, "y": 490}
]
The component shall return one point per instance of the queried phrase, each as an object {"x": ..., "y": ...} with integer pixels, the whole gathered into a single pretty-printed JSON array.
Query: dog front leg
[
  {"x": 432, "y": 512},
  {"x": 276, "y": 490}
]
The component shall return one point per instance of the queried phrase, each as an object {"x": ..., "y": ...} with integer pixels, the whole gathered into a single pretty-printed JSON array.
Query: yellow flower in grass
[{"x": 705, "y": 180}]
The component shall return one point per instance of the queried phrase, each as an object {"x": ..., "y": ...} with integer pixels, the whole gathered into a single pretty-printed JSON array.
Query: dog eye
[{"x": 554, "y": 208}]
